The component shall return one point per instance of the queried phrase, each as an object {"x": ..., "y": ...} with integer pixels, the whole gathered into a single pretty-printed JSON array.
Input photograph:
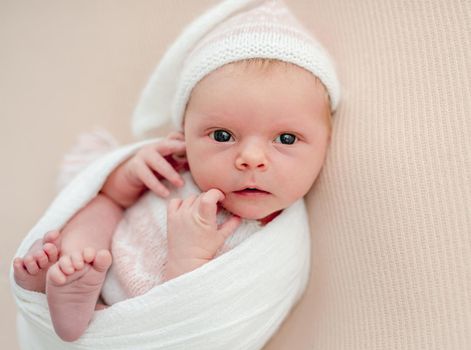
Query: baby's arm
[
  {"x": 94, "y": 225},
  {"x": 192, "y": 232}
]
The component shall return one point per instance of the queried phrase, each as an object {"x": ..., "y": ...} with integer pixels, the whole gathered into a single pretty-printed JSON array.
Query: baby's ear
[{"x": 176, "y": 135}]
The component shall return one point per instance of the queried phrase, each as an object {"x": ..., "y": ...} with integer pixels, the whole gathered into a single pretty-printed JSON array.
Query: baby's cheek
[
  {"x": 203, "y": 179},
  {"x": 298, "y": 186}
]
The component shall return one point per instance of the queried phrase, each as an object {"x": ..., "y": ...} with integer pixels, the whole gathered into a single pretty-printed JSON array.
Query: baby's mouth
[{"x": 251, "y": 191}]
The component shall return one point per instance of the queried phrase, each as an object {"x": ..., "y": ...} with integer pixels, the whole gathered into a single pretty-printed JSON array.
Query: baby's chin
[{"x": 246, "y": 212}]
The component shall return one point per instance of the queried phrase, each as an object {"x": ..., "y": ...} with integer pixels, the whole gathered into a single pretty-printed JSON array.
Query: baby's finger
[
  {"x": 176, "y": 135},
  {"x": 174, "y": 205},
  {"x": 207, "y": 204},
  {"x": 167, "y": 147},
  {"x": 188, "y": 202},
  {"x": 150, "y": 180},
  {"x": 214, "y": 195},
  {"x": 228, "y": 227},
  {"x": 160, "y": 165}
]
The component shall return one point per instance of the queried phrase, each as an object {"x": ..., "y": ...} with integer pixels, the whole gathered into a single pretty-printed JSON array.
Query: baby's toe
[
  {"x": 51, "y": 251},
  {"x": 77, "y": 261},
  {"x": 51, "y": 236},
  {"x": 41, "y": 259},
  {"x": 18, "y": 265},
  {"x": 56, "y": 275},
  {"x": 102, "y": 260},
  {"x": 89, "y": 254},
  {"x": 31, "y": 265},
  {"x": 66, "y": 266}
]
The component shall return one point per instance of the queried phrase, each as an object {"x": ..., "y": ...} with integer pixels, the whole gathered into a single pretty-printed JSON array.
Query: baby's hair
[{"x": 266, "y": 65}]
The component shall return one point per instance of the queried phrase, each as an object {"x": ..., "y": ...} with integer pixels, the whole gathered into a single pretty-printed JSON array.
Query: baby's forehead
[
  {"x": 271, "y": 121},
  {"x": 278, "y": 92},
  {"x": 259, "y": 70}
]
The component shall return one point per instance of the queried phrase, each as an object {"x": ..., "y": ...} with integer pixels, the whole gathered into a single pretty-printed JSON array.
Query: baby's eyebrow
[{"x": 217, "y": 118}]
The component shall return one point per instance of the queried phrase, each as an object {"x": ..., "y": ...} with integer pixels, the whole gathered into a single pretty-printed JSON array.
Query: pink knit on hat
[
  {"x": 270, "y": 19},
  {"x": 233, "y": 31}
]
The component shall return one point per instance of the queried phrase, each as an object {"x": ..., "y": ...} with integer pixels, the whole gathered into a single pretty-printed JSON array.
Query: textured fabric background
[
  {"x": 391, "y": 213},
  {"x": 391, "y": 217}
]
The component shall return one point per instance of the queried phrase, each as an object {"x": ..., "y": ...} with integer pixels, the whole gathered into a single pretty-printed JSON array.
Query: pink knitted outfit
[{"x": 139, "y": 246}]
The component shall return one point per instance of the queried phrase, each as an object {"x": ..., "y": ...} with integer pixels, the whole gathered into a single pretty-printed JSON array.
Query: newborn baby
[{"x": 254, "y": 130}]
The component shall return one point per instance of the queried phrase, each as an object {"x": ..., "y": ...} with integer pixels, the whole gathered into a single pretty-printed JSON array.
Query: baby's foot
[
  {"x": 30, "y": 271},
  {"x": 73, "y": 287}
]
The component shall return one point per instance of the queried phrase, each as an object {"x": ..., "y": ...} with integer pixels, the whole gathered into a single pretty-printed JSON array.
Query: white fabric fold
[{"x": 236, "y": 301}]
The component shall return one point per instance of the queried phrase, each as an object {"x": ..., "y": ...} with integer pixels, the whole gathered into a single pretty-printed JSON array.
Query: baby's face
[{"x": 258, "y": 136}]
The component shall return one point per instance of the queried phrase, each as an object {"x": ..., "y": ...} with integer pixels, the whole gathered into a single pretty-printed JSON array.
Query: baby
[{"x": 254, "y": 135}]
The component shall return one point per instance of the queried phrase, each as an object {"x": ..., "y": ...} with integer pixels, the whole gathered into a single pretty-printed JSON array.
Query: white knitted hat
[{"x": 232, "y": 31}]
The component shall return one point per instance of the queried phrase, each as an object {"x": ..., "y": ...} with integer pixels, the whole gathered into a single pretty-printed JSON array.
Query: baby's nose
[{"x": 252, "y": 156}]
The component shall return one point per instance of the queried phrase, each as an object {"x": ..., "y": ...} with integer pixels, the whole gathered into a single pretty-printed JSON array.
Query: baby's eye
[
  {"x": 286, "y": 139},
  {"x": 221, "y": 135}
]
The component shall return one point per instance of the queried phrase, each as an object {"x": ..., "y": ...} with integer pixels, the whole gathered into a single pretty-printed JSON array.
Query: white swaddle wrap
[
  {"x": 139, "y": 246},
  {"x": 236, "y": 301}
]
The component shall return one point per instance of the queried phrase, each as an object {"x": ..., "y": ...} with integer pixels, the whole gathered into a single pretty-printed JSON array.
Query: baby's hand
[
  {"x": 155, "y": 162},
  {"x": 192, "y": 232},
  {"x": 145, "y": 170}
]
